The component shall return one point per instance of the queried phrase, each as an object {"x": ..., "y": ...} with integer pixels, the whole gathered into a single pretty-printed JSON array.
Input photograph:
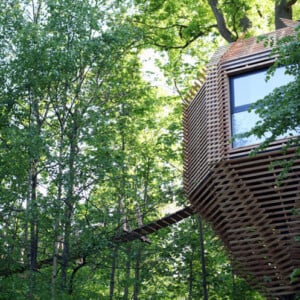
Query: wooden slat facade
[{"x": 238, "y": 194}]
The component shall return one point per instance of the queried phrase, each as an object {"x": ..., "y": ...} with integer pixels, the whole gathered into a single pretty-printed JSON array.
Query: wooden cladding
[
  {"x": 202, "y": 122},
  {"x": 256, "y": 216}
]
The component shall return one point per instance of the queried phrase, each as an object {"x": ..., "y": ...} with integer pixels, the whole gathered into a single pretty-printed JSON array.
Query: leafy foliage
[{"x": 88, "y": 147}]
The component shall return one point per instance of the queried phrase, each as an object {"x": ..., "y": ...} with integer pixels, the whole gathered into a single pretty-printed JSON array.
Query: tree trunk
[
  {"x": 33, "y": 223},
  {"x": 57, "y": 235},
  {"x": 221, "y": 23},
  {"x": 66, "y": 247},
  {"x": 75, "y": 270},
  {"x": 283, "y": 9},
  {"x": 32, "y": 249},
  {"x": 69, "y": 203},
  {"x": 127, "y": 273},
  {"x": 54, "y": 270},
  {"x": 190, "y": 282},
  {"x": 203, "y": 262},
  {"x": 136, "y": 289},
  {"x": 112, "y": 273}
]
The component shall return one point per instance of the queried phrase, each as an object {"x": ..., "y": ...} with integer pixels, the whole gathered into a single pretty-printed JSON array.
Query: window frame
[
  {"x": 234, "y": 109},
  {"x": 244, "y": 107}
]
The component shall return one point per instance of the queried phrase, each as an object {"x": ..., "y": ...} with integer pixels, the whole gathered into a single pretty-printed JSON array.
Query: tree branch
[
  {"x": 290, "y": 3},
  {"x": 224, "y": 31},
  {"x": 187, "y": 43},
  {"x": 75, "y": 270},
  {"x": 160, "y": 27}
]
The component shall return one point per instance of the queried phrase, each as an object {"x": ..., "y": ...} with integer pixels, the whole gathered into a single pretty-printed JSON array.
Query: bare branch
[
  {"x": 290, "y": 3},
  {"x": 224, "y": 31},
  {"x": 187, "y": 43}
]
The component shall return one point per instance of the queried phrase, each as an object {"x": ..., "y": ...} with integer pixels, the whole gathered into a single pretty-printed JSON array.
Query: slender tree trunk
[
  {"x": 190, "y": 282},
  {"x": 221, "y": 23},
  {"x": 127, "y": 273},
  {"x": 31, "y": 228},
  {"x": 35, "y": 125},
  {"x": 75, "y": 270},
  {"x": 54, "y": 270},
  {"x": 137, "y": 279},
  {"x": 33, "y": 223},
  {"x": 202, "y": 255},
  {"x": 113, "y": 271},
  {"x": 116, "y": 248},
  {"x": 69, "y": 204},
  {"x": 66, "y": 246},
  {"x": 57, "y": 237},
  {"x": 121, "y": 213}
]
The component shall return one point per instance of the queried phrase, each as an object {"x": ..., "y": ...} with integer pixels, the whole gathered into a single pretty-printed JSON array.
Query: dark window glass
[{"x": 246, "y": 89}]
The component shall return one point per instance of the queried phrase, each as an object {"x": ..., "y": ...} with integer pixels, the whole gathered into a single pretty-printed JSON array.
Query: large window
[{"x": 245, "y": 89}]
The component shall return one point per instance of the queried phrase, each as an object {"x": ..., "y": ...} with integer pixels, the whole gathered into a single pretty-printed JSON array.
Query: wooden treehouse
[{"x": 238, "y": 194}]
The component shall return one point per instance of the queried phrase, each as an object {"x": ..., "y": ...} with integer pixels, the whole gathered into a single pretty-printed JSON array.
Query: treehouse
[{"x": 237, "y": 193}]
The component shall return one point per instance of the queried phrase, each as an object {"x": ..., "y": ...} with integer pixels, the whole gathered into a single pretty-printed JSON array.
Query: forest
[{"x": 91, "y": 144}]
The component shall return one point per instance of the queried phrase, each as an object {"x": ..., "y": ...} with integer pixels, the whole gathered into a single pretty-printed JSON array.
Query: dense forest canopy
[{"x": 89, "y": 147}]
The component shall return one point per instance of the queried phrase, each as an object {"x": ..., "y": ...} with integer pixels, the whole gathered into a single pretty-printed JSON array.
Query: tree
[
  {"x": 81, "y": 141},
  {"x": 188, "y": 31},
  {"x": 185, "y": 22},
  {"x": 56, "y": 69}
]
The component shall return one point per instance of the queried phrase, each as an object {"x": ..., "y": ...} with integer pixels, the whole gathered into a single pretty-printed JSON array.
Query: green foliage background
[{"x": 88, "y": 145}]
